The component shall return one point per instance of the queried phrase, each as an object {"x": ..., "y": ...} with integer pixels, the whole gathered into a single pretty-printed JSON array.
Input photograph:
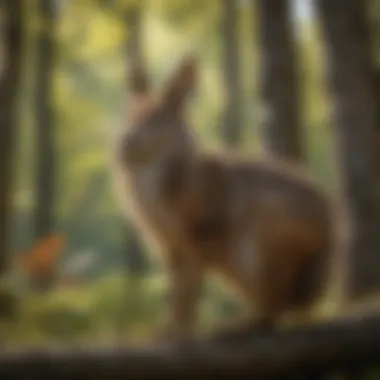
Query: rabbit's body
[{"x": 262, "y": 225}]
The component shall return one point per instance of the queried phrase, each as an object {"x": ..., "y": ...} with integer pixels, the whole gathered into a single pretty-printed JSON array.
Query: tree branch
[{"x": 345, "y": 345}]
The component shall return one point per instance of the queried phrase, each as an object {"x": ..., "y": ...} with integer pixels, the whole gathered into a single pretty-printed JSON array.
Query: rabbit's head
[{"x": 155, "y": 124}]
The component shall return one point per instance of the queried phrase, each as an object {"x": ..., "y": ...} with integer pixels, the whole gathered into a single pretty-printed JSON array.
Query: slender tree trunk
[
  {"x": 280, "y": 82},
  {"x": 9, "y": 82},
  {"x": 136, "y": 262},
  {"x": 133, "y": 19},
  {"x": 349, "y": 70},
  {"x": 232, "y": 119},
  {"x": 44, "y": 122},
  {"x": 376, "y": 83},
  {"x": 375, "y": 42}
]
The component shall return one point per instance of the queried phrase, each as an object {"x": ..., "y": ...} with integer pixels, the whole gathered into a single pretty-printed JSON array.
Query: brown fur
[{"x": 263, "y": 225}]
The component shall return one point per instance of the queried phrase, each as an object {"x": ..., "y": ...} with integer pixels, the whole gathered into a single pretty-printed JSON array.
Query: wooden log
[{"x": 333, "y": 346}]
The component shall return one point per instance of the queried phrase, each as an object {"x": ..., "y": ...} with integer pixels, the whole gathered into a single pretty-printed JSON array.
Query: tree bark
[
  {"x": 349, "y": 71},
  {"x": 9, "y": 82},
  {"x": 231, "y": 132},
  {"x": 279, "y": 81},
  {"x": 376, "y": 82},
  {"x": 374, "y": 11},
  {"x": 44, "y": 122}
]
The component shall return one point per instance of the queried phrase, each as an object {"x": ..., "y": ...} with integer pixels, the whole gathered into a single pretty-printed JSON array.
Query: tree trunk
[
  {"x": 280, "y": 83},
  {"x": 231, "y": 132},
  {"x": 9, "y": 82},
  {"x": 232, "y": 122},
  {"x": 349, "y": 71},
  {"x": 136, "y": 262},
  {"x": 376, "y": 82},
  {"x": 133, "y": 19},
  {"x": 375, "y": 33},
  {"x": 44, "y": 122}
]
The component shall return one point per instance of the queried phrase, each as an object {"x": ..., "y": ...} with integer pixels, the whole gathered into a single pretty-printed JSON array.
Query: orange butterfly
[{"x": 43, "y": 256}]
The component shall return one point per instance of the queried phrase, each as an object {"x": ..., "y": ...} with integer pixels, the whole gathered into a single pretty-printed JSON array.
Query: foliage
[{"x": 110, "y": 309}]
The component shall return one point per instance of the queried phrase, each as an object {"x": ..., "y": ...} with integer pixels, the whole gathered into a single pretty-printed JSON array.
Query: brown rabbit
[{"x": 262, "y": 225}]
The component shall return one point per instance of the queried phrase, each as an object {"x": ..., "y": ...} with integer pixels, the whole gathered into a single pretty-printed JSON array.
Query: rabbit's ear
[
  {"x": 181, "y": 83},
  {"x": 137, "y": 78}
]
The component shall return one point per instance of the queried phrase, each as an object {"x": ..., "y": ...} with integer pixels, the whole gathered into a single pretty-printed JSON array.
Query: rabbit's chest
[{"x": 155, "y": 211}]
